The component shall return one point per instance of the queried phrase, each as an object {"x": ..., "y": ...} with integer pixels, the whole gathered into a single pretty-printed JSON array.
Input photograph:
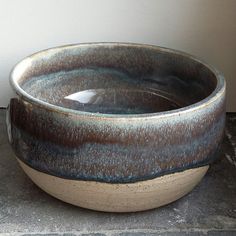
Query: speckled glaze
[{"x": 151, "y": 112}]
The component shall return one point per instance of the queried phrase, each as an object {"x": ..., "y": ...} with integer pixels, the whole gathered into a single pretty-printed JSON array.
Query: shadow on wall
[{"x": 209, "y": 32}]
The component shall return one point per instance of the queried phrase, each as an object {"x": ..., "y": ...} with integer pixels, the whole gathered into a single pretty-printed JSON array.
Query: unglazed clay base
[{"x": 131, "y": 197}]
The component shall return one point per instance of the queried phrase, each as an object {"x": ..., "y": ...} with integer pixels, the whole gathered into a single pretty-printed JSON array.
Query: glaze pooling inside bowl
[
  {"x": 118, "y": 101},
  {"x": 101, "y": 91},
  {"x": 117, "y": 80}
]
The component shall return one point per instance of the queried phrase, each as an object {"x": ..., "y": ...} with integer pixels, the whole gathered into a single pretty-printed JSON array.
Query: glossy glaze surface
[{"x": 116, "y": 113}]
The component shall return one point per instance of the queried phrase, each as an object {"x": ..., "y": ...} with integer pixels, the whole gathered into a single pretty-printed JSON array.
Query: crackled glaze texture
[{"x": 116, "y": 113}]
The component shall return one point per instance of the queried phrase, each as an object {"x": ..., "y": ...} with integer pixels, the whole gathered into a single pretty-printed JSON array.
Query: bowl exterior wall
[{"x": 113, "y": 149}]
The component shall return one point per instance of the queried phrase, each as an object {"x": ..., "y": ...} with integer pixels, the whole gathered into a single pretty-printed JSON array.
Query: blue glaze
[
  {"x": 76, "y": 163},
  {"x": 115, "y": 113}
]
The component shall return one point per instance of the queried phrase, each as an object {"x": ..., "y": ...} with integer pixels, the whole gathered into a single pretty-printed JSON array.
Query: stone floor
[{"x": 210, "y": 209}]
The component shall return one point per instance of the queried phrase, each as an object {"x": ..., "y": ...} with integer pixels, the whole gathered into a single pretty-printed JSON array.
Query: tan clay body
[{"x": 131, "y": 197}]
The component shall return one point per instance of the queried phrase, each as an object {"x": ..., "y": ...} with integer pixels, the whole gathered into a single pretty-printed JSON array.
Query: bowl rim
[{"x": 218, "y": 92}]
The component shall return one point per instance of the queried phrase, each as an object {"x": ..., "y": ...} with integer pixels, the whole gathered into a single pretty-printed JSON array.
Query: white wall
[{"x": 205, "y": 28}]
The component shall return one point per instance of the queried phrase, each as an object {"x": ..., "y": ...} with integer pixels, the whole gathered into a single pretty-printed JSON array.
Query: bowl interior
[{"x": 115, "y": 78}]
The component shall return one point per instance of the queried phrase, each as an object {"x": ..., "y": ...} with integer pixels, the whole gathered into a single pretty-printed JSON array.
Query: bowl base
[{"x": 131, "y": 197}]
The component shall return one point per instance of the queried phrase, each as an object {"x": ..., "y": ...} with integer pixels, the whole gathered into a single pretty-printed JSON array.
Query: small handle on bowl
[{"x": 9, "y": 113}]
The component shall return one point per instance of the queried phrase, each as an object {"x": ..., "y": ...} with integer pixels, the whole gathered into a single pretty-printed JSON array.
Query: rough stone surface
[{"x": 210, "y": 209}]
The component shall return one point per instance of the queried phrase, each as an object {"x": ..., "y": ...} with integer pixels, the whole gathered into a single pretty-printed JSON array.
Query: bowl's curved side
[
  {"x": 115, "y": 150},
  {"x": 107, "y": 197},
  {"x": 125, "y": 162}
]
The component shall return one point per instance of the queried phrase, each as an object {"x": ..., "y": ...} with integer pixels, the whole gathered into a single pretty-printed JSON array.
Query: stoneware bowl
[{"x": 115, "y": 126}]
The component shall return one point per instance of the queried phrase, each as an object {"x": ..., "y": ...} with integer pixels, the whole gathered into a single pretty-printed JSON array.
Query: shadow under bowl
[{"x": 116, "y": 126}]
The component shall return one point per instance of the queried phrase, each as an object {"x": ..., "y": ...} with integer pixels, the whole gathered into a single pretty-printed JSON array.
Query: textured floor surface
[{"x": 210, "y": 209}]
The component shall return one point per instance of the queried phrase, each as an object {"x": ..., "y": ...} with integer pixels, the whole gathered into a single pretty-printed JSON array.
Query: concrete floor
[{"x": 210, "y": 209}]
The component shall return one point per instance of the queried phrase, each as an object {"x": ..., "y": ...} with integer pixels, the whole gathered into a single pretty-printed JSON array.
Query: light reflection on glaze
[
  {"x": 90, "y": 96},
  {"x": 119, "y": 101}
]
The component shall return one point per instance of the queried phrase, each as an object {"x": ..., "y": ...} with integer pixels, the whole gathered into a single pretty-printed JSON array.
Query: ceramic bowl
[{"x": 115, "y": 126}]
